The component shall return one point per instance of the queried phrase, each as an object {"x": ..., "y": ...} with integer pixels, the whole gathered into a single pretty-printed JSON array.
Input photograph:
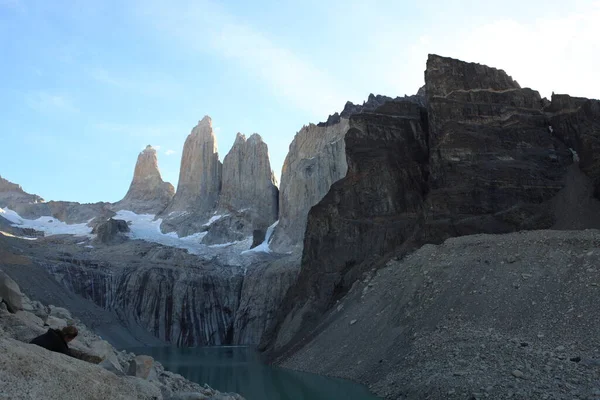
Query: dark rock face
[
  {"x": 493, "y": 162},
  {"x": 480, "y": 158},
  {"x": 111, "y": 231},
  {"x": 371, "y": 211},
  {"x": 445, "y": 75},
  {"x": 576, "y": 121}
]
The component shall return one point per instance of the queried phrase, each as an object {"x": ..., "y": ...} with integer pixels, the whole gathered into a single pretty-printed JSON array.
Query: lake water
[{"x": 240, "y": 370}]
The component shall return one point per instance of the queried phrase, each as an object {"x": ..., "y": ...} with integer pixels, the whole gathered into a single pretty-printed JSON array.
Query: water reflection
[{"x": 239, "y": 369}]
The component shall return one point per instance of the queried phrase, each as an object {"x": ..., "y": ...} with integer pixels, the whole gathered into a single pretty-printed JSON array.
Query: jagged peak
[
  {"x": 149, "y": 149},
  {"x": 240, "y": 138},
  {"x": 205, "y": 121},
  {"x": 255, "y": 138}
]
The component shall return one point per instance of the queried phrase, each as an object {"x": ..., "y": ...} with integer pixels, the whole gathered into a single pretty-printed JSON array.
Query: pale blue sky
[{"x": 85, "y": 85}]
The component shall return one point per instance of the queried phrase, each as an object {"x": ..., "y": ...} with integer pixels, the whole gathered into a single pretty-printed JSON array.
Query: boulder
[
  {"x": 111, "y": 231},
  {"x": 60, "y": 312},
  {"x": 56, "y": 323},
  {"x": 141, "y": 367},
  {"x": 10, "y": 293},
  {"x": 32, "y": 372},
  {"x": 230, "y": 228}
]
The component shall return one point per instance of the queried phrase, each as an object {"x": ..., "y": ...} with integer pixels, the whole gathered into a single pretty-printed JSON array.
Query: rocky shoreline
[{"x": 28, "y": 371}]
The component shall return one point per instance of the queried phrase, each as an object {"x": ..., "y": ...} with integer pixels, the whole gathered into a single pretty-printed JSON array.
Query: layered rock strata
[{"x": 480, "y": 157}]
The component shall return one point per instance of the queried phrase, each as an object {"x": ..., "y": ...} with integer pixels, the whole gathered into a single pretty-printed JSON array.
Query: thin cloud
[
  {"x": 170, "y": 152},
  {"x": 145, "y": 84},
  {"x": 46, "y": 102},
  {"x": 206, "y": 26},
  {"x": 136, "y": 130}
]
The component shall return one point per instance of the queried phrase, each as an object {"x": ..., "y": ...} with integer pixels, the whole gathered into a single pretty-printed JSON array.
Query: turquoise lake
[{"x": 240, "y": 370}]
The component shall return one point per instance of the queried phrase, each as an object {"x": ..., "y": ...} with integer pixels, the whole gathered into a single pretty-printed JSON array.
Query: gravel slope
[{"x": 483, "y": 316}]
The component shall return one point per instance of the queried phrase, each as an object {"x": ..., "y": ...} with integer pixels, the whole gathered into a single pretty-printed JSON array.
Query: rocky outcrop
[
  {"x": 199, "y": 182},
  {"x": 479, "y": 158},
  {"x": 315, "y": 160},
  {"x": 248, "y": 181},
  {"x": 230, "y": 228},
  {"x": 148, "y": 193},
  {"x": 11, "y": 194},
  {"x": 10, "y": 293},
  {"x": 375, "y": 208},
  {"x": 111, "y": 231},
  {"x": 30, "y": 371}
]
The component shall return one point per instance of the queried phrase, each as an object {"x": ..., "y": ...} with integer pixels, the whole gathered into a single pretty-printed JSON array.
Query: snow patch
[
  {"x": 214, "y": 219},
  {"x": 49, "y": 225},
  {"x": 17, "y": 237},
  {"x": 264, "y": 246},
  {"x": 145, "y": 227}
]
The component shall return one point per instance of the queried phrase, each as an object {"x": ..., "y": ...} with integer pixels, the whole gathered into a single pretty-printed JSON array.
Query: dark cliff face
[
  {"x": 480, "y": 158},
  {"x": 576, "y": 121},
  {"x": 371, "y": 211}
]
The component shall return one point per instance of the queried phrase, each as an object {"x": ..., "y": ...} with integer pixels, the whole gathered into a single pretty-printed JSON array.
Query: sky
[{"x": 85, "y": 86}]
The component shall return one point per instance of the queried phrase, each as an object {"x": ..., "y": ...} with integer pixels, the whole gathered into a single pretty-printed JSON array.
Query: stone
[
  {"x": 10, "y": 293},
  {"x": 148, "y": 193},
  {"x": 112, "y": 366},
  {"x": 60, "y": 312},
  {"x": 43, "y": 374},
  {"x": 111, "y": 231},
  {"x": 55, "y": 322},
  {"x": 230, "y": 228},
  {"x": 199, "y": 183},
  {"x": 518, "y": 374},
  {"x": 141, "y": 367},
  {"x": 248, "y": 181}
]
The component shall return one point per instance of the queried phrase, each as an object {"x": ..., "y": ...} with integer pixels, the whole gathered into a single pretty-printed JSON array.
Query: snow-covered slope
[{"x": 47, "y": 224}]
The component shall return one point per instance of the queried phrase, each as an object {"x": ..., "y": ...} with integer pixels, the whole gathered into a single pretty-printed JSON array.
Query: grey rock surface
[
  {"x": 111, "y": 231},
  {"x": 141, "y": 366},
  {"x": 10, "y": 293},
  {"x": 248, "y": 181},
  {"x": 315, "y": 160},
  {"x": 264, "y": 288},
  {"x": 148, "y": 193},
  {"x": 469, "y": 313},
  {"x": 28, "y": 371},
  {"x": 199, "y": 181}
]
